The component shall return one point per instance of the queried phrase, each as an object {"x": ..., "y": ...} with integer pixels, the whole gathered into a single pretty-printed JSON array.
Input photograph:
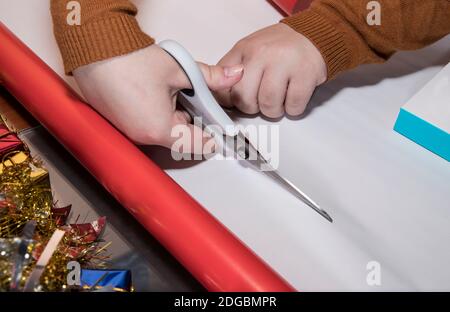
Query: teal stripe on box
[{"x": 423, "y": 133}]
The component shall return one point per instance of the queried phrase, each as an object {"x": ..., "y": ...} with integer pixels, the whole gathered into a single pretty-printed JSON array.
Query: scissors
[{"x": 200, "y": 102}]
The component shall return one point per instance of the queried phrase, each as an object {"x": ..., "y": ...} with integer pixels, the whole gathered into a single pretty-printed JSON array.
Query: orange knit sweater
[{"x": 339, "y": 29}]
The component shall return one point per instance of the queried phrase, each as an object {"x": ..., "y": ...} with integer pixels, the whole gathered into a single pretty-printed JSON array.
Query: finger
[
  {"x": 221, "y": 77},
  {"x": 182, "y": 117},
  {"x": 244, "y": 95},
  {"x": 217, "y": 77},
  {"x": 272, "y": 93},
  {"x": 234, "y": 56},
  {"x": 188, "y": 138},
  {"x": 297, "y": 97}
]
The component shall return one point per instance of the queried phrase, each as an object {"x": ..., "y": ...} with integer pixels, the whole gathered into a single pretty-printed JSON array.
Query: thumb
[
  {"x": 187, "y": 138},
  {"x": 221, "y": 77}
]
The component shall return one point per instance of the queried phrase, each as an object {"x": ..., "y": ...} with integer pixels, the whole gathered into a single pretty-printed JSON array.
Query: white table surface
[{"x": 390, "y": 198}]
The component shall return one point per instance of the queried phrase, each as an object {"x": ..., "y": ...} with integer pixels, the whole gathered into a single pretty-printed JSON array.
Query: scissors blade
[
  {"x": 298, "y": 193},
  {"x": 246, "y": 150}
]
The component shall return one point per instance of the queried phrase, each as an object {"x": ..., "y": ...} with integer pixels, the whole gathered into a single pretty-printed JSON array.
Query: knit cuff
[
  {"x": 325, "y": 36},
  {"x": 101, "y": 39}
]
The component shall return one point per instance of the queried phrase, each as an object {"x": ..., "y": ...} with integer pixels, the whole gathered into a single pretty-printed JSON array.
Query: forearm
[
  {"x": 340, "y": 30},
  {"x": 107, "y": 28}
]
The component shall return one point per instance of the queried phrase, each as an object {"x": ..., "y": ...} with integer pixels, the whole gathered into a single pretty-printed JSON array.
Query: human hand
[
  {"x": 282, "y": 70},
  {"x": 137, "y": 93}
]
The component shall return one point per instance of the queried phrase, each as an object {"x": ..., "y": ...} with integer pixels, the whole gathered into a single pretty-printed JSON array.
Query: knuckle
[
  {"x": 295, "y": 107},
  {"x": 277, "y": 114},
  {"x": 241, "y": 43},
  {"x": 270, "y": 109},
  {"x": 248, "y": 107},
  {"x": 265, "y": 106},
  {"x": 268, "y": 94},
  {"x": 244, "y": 101},
  {"x": 273, "y": 112},
  {"x": 261, "y": 48},
  {"x": 265, "y": 100}
]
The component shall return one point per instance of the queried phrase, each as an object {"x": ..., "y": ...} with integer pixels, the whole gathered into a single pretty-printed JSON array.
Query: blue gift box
[
  {"x": 425, "y": 119},
  {"x": 118, "y": 280}
]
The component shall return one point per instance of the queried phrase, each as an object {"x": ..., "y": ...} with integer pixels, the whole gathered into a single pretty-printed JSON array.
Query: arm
[
  {"x": 108, "y": 28},
  {"x": 130, "y": 81},
  {"x": 284, "y": 63},
  {"x": 339, "y": 29}
]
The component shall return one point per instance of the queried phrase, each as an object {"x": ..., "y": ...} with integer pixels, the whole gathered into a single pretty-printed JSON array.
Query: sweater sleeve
[
  {"x": 341, "y": 31},
  {"x": 88, "y": 31}
]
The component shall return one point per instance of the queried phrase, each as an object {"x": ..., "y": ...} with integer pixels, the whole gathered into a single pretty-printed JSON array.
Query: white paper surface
[
  {"x": 432, "y": 102},
  {"x": 389, "y": 197}
]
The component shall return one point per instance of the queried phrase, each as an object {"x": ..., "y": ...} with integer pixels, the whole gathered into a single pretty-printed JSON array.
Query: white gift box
[{"x": 425, "y": 119}]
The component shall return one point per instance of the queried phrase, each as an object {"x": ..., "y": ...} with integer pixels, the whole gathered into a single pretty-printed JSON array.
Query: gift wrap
[
  {"x": 388, "y": 196},
  {"x": 118, "y": 280},
  {"x": 8, "y": 141},
  {"x": 290, "y": 7},
  {"x": 425, "y": 119},
  {"x": 203, "y": 245}
]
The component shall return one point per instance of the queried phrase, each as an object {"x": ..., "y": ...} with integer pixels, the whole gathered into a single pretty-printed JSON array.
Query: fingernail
[{"x": 233, "y": 71}]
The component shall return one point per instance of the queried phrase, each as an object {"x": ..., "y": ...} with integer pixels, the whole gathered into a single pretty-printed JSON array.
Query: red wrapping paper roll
[
  {"x": 213, "y": 255},
  {"x": 290, "y": 7}
]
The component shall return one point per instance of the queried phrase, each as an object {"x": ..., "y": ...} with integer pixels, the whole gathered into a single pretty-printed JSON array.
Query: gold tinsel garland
[{"x": 25, "y": 195}]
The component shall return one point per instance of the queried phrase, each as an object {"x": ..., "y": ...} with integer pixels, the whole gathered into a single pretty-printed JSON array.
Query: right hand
[{"x": 137, "y": 93}]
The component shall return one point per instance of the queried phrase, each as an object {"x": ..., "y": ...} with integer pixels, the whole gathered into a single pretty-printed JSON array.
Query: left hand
[{"x": 282, "y": 68}]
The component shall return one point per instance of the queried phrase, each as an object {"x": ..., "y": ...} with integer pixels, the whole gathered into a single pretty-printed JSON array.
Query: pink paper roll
[
  {"x": 289, "y": 7},
  {"x": 213, "y": 255}
]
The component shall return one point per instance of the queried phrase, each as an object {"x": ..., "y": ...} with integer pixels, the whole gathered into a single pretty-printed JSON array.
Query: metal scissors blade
[
  {"x": 298, "y": 193},
  {"x": 247, "y": 151}
]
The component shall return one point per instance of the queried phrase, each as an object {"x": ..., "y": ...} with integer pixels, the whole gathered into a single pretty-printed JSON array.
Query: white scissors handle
[{"x": 200, "y": 101}]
